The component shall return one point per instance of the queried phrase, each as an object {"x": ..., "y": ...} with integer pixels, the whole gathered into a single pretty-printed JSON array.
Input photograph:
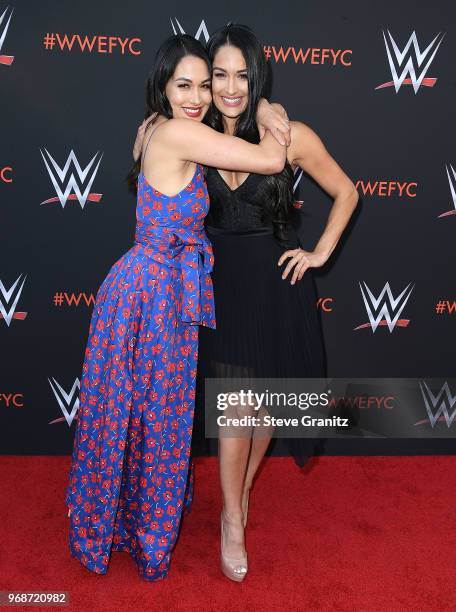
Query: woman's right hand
[{"x": 137, "y": 147}]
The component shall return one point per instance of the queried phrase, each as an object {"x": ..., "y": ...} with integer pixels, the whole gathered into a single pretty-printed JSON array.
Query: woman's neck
[{"x": 229, "y": 125}]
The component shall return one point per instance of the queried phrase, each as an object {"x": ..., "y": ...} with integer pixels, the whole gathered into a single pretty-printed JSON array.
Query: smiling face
[
  {"x": 230, "y": 87},
  {"x": 189, "y": 89}
]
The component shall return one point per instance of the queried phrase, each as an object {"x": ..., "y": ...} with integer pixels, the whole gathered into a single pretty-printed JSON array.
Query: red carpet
[{"x": 347, "y": 533}]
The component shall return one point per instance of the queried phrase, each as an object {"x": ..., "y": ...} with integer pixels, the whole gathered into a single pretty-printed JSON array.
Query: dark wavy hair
[
  {"x": 167, "y": 58},
  {"x": 280, "y": 185}
]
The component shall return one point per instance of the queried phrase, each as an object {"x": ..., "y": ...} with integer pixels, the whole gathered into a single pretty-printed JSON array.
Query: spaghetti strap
[{"x": 145, "y": 150}]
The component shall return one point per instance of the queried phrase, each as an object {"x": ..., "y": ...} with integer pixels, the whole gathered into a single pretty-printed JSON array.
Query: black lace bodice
[
  {"x": 237, "y": 209},
  {"x": 242, "y": 208}
]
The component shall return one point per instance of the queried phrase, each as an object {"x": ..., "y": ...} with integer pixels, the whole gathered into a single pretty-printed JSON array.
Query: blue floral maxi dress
[{"x": 131, "y": 475}]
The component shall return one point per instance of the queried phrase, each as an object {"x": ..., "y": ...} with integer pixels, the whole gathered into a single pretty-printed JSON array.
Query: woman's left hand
[
  {"x": 274, "y": 118},
  {"x": 299, "y": 262}
]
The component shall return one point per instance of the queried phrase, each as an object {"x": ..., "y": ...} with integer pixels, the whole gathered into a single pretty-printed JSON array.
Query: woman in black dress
[{"x": 267, "y": 321}]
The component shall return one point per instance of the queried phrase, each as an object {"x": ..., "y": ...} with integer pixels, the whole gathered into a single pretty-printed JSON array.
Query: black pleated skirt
[{"x": 266, "y": 327}]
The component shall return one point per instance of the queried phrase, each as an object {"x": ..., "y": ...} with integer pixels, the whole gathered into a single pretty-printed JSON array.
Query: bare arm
[
  {"x": 269, "y": 116},
  {"x": 194, "y": 141},
  {"x": 309, "y": 153}
]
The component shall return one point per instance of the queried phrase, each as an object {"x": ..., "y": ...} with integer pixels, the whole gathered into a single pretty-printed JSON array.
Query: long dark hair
[
  {"x": 167, "y": 58},
  {"x": 280, "y": 185}
]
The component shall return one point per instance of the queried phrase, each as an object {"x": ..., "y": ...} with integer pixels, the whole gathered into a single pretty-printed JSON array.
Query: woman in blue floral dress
[{"x": 130, "y": 474}]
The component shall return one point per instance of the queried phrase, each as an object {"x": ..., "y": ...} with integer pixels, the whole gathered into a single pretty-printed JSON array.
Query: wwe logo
[
  {"x": 9, "y": 302},
  {"x": 452, "y": 182},
  {"x": 7, "y": 60},
  {"x": 383, "y": 305},
  {"x": 201, "y": 30},
  {"x": 437, "y": 405},
  {"x": 297, "y": 173},
  {"x": 68, "y": 402},
  {"x": 64, "y": 193},
  {"x": 404, "y": 60}
]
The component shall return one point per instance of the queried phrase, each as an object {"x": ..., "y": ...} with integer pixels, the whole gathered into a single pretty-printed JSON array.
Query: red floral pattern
[{"x": 131, "y": 475}]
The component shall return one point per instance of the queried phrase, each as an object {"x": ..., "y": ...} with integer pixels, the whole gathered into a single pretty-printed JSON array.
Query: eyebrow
[
  {"x": 190, "y": 80},
  {"x": 222, "y": 70}
]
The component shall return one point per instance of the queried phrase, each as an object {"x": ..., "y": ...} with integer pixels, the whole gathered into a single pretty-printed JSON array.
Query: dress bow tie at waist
[{"x": 191, "y": 252}]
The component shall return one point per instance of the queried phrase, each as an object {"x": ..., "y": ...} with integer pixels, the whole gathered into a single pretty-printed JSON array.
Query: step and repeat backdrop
[{"x": 376, "y": 81}]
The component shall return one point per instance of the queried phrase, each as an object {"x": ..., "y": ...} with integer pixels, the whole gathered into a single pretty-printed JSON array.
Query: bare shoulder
[
  {"x": 152, "y": 127},
  {"x": 301, "y": 132},
  {"x": 177, "y": 129},
  {"x": 304, "y": 140}
]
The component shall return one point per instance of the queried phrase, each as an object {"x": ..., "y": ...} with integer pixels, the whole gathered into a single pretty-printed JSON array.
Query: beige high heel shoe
[{"x": 234, "y": 569}]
